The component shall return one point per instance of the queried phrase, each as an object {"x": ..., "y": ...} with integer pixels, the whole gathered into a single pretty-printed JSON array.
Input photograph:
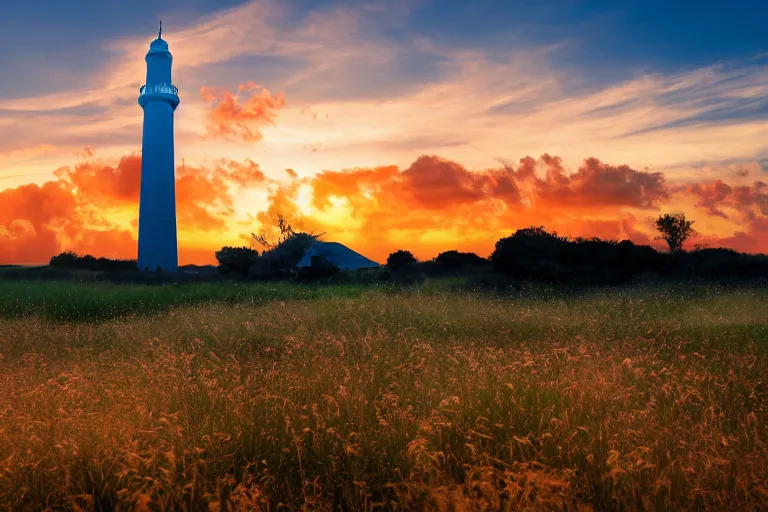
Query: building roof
[
  {"x": 159, "y": 45},
  {"x": 338, "y": 254}
]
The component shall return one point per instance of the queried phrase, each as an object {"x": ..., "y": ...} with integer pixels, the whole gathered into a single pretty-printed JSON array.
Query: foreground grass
[{"x": 360, "y": 399}]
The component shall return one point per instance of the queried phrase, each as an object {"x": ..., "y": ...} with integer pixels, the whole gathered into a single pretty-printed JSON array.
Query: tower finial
[{"x": 160, "y": 34}]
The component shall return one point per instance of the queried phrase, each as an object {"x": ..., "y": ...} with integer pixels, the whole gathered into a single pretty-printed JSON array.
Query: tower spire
[{"x": 160, "y": 34}]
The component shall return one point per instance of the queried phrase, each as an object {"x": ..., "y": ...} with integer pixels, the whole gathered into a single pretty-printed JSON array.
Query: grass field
[{"x": 280, "y": 397}]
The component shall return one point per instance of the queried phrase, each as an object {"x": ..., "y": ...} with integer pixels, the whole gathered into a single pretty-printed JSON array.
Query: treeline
[
  {"x": 530, "y": 254},
  {"x": 535, "y": 254},
  {"x": 70, "y": 260},
  {"x": 279, "y": 263},
  {"x": 280, "y": 257}
]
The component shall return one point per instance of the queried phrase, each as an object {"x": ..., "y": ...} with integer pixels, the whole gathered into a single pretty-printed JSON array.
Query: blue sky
[
  {"x": 653, "y": 33},
  {"x": 59, "y": 40},
  {"x": 600, "y": 64}
]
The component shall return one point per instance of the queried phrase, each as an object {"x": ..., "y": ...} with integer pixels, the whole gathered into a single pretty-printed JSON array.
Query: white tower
[{"x": 158, "y": 246}]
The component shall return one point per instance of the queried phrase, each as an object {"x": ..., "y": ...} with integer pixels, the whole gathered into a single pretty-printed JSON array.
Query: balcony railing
[{"x": 158, "y": 89}]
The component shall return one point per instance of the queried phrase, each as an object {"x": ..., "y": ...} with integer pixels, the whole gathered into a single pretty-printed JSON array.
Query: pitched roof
[{"x": 338, "y": 254}]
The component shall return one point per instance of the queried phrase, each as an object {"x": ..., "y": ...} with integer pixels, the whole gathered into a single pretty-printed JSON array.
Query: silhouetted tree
[
  {"x": 674, "y": 230},
  {"x": 400, "y": 259},
  {"x": 530, "y": 252},
  {"x": 71, "y": 260},
  {"x": 535, "y": 254},
  {"x": 283, "y": 227},
  {"x": 455, "y": 259},
  {"x": 285, "y": 230},
  {"x": 280, "y": 257},
  {"x": 538, "y": 231},
  {"x": 281, "y": 260},
  {"x": 67, "y": 259},
  {"x": 236, "y": 260}
]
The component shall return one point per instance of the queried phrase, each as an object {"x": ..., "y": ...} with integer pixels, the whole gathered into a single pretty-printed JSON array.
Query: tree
[
  {"x": 285, "y": 229},
  {"x": 66, "y": 259},
  {"x": 530, "y": 252},
  {"x": 69, "y": 259},
  {"x": 674, "y": 230},
  {"x": 236, "y": 259},
  {"x": 280, "y": 257},
  {"x": 538, "y": 231},
  {"x": 281, "y": 260},
  {"x": 454, "y": 259},
  {"x": 400, "y": 259}
]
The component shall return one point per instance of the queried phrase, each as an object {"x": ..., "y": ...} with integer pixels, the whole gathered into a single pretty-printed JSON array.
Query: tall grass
[{"x": 353, "y": 399}]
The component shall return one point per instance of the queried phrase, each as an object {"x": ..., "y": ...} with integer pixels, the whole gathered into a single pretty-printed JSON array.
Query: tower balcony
[{"x": 164, "y": 92}]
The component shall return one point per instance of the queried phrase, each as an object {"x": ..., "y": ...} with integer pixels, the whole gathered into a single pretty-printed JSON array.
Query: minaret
[{"x": 158, "y": 246}]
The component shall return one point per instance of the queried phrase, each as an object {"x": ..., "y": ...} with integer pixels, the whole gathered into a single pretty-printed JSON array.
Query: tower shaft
[{"x": 158, "y": 246}]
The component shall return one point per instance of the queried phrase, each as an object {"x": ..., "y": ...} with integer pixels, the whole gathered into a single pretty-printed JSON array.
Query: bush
[
  {"x": 236, "y": 260},
  {"x": 531, "y": 252},
  {"x": 455, "y": 260},
  {"x": 280, "y": 262},
  {"x": 535, "y": 254},
  {"x": 320, "y": 268},
  {"x": 400, "y": 260},
  {"x": 67, "y": 259},
  {"x": 71, "y": 260},
  {"x": 720, "y": 263}
]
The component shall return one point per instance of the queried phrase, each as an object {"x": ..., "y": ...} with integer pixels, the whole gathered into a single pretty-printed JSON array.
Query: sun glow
[{"x": 304, "y": 199}]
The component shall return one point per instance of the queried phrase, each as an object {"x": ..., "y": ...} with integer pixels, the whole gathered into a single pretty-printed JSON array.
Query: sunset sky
[{"x": 425, "y": 125}]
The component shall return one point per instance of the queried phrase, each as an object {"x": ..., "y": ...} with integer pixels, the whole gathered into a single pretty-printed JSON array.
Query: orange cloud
[
  {"x": 596, "y": 184},
  {"x": 31, "y": 217},
  {"x": 435, "y": 204},
  {"x": 433, "y": 183},
  {"x": 749, "y": 200},
  {"x": 104, "y": 184},
  {"x": 93, "y": 207},
  {"x": 231, "y": 117},
  {"x": 431, "y": 206},
  {"x": 350, "y": 183}
]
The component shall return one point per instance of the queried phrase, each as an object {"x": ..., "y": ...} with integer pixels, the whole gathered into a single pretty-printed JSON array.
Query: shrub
[
  {"x": 401, "y": 259},
  {"x": 454, "y": 260},
  {"x": 67, "y": 259},
  {"x": 530, "y": 252},
  {"x": 280, "y": 261},
  {"x": 535, "y": 254},
  {"x": 320, "y": 268},
  {"x": 719, "y": 263},
  {"x": 236, "y": 260},
  {"x": 71, "y": 260}
]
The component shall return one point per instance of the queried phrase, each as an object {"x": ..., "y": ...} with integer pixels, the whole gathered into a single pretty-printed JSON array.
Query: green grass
[
  {"x": 214, "y": 397},
  {"x": 77, "y": 301}
]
